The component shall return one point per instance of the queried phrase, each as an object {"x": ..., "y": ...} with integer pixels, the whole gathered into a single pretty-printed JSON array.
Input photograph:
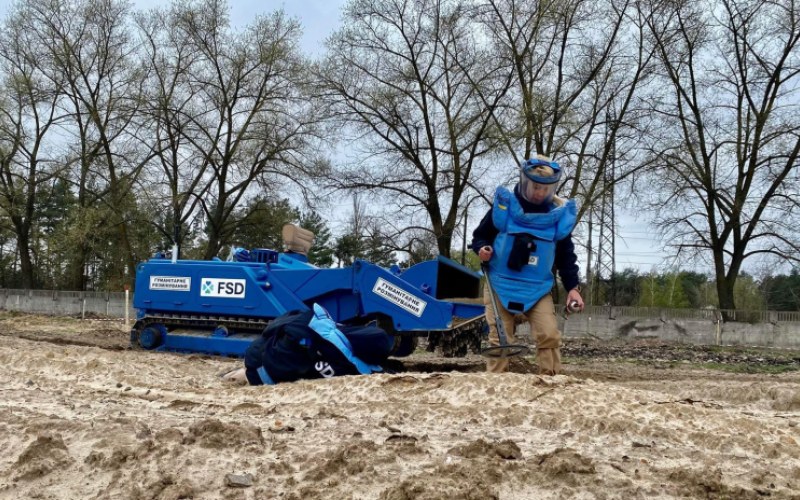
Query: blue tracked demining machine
[{"x": 217, "y": 307}]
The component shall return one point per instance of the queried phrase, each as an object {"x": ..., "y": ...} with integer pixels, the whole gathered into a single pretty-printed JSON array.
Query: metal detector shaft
[
  {"x": 504, "y": 350},
  {"x": 501, "y": 329}
]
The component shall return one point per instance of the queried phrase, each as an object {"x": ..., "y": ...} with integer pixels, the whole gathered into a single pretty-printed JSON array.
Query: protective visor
[{"x": 538, "y": 180}]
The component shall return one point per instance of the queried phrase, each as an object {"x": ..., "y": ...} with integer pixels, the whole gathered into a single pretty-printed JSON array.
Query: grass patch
[
  {"x": 755, "y": 351},
  {"x": 731, "y": 367},
  {"x": 569, "y": 360},
  {"x": 12, "y": 314},
  {"x": 771, "y": 369}
]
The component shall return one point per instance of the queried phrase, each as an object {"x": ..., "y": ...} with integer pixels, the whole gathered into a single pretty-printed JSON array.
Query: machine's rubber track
[
  {"x": 203, "y": 323},
  {"x": 464, "y": 337}
]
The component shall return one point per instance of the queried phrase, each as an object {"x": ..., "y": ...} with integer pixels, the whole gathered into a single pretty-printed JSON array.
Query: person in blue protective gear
[
  {"x": 308, "y": 345},
  {"x": 524, "y": 235}
]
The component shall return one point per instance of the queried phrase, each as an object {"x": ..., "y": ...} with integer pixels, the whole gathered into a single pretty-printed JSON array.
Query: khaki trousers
[{"x": 542, "y": 319}]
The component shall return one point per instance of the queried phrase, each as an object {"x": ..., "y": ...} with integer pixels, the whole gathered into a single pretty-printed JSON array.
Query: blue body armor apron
[{"x": 518, "y": 290}]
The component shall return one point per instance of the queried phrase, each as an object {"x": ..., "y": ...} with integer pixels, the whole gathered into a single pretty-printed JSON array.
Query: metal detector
[{"x": 504, "y": 349}]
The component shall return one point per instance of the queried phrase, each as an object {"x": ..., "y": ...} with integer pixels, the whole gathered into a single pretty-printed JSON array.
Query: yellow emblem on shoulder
[{"x": 502, "y": 207}]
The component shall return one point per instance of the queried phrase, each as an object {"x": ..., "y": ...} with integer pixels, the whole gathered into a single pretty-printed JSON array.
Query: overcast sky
[
  {"x": 318, "y": 17},
  {"x": 635, "y": 245}
]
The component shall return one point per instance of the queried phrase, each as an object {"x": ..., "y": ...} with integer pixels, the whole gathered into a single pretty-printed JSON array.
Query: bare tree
[
  {"x": 578, "y": 67},
  {"x": 416, "y": 84},
  {"x": 232, "y": 103},
  {"x": 177, "y": 179},
  {"x": 728, "y": 139},
  {"x": 29, "y": 117},
  {"x": 84, "y": 49}
]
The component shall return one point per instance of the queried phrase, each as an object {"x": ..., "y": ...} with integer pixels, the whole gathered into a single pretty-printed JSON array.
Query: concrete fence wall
[
  {"x": 59, "y": 303},
  {"x": 766, "y": 328},
  {"x": 690, "y": 326},
  {"x": 689, "y": 331}
]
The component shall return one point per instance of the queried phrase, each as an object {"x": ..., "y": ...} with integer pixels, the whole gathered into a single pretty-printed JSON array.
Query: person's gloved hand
[
  {"x": 574, "y": 295},
  {"x": 485, "y": 253}
]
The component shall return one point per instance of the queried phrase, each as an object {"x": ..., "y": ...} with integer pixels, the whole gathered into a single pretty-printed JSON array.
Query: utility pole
[
  {"x": 590, "y": 281},
  {"x": 606, "y": 247},
  {"x": 464, "y": 237}
]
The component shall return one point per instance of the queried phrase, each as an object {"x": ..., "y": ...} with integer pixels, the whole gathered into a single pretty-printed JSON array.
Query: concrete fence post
[{"x": 127, "y": 297}]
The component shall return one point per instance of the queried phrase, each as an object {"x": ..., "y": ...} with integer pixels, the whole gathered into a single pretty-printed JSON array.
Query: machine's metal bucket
[{"x": 443, "y": 279}]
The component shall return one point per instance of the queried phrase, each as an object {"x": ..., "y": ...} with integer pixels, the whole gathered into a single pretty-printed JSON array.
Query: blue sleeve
[
  {"x": 567, "y": 263},
  {"x": 484, "y": 234}
]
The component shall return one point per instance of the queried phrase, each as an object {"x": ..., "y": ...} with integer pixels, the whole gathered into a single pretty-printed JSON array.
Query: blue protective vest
[{"x": 519, "y": 290}]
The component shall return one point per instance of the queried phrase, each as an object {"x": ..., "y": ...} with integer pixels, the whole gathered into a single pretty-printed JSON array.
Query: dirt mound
[
  {"x": 44, "y": 455},
  {"x": 80, "y": 418}
]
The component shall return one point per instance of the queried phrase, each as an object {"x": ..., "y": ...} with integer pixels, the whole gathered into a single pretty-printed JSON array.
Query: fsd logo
[{"x": 227, "y": 288}]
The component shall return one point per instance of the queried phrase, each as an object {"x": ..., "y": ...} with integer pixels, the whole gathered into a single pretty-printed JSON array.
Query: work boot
[
  {"x": 549, "y": 361},
  {"x": 497, "y": 365}
]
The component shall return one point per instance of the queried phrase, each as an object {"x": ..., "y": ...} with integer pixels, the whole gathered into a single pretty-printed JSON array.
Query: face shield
[{"x": 538, "y": 180}]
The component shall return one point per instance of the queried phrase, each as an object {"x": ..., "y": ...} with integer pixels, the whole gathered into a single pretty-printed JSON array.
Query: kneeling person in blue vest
[
  {"x": 309, "y": 345},
  {"x": 522, "y": 237}
]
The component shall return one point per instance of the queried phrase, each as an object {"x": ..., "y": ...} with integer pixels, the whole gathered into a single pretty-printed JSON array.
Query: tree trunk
[
  {"x": 444, "y": 241},
  {"x": 725, "y": 295},
  {"x": 25, "y": 262},
  {"x": 726, "y": 284},
  {"x": 213, "y": 246},
  {"x": 75, "y": 275}
]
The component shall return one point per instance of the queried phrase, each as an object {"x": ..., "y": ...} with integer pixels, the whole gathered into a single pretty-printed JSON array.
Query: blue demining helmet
[{"x": 538, "y": 179}]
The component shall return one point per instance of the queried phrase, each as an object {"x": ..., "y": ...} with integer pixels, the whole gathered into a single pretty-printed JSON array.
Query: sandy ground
[{"x": 83, "y": 417}]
